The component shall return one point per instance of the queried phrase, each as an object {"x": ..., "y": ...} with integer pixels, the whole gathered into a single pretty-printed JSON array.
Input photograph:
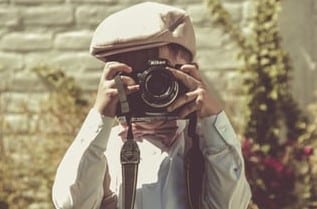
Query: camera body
[{"x": 158, "y": 89}]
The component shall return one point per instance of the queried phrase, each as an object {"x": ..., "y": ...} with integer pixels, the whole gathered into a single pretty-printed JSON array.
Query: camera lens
[
  {"x": 158, "y": 83},
  {"x": 159, "y": 87}
]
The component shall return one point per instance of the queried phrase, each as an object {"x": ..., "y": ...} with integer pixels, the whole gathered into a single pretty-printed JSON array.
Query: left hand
[{"x": 198, "y": 98}]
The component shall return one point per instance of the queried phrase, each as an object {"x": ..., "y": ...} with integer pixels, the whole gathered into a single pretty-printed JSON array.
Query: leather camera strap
[
  {"x": 194, "y": 167},
  {"x": 130, "y": 158},
  {"x": 129, "y": 155}
]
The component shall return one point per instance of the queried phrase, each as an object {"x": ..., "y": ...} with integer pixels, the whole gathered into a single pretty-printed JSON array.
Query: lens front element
[{"x": 159, "y": 87}]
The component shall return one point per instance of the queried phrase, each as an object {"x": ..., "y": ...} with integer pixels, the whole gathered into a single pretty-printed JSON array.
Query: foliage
[
  {"x": 5, "y": 171},
  {"x": 278, "y": 151},
  {"x": 66, "y": 103},
  {"x": 28, "y": 169}
]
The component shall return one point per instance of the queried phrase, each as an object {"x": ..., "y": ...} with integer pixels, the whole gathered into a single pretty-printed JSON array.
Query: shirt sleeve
[
  {"x": 224, "y": 184},
  {"x": 79, "y": 179}
]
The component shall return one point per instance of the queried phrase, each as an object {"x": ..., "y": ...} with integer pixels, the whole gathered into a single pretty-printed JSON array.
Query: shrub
[
  {"x": 28, "y": 168},
  {"x": 277, "y": 146}
]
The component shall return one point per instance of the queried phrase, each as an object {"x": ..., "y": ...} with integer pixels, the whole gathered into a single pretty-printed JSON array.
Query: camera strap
[
  {"x": 130, "y": 153},
  {"x": 194, "y": 167},
  {"x": 130, "y": 158}
]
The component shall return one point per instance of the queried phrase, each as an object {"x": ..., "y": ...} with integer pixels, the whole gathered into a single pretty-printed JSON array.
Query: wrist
[
  {"x": 104, "y": 110},
  {"x": 213, "y": 110}
]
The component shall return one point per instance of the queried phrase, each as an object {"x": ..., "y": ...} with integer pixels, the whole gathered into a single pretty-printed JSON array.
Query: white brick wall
[
  {"x": 11, "y": 61},
  {"x": 32, "y": 2},
  {"x": 8, "y": 16},
  {"x": 58, "y": 33},
  {"x": 73, "y": 40},
  {"x": 21, "y": 42},
  {"x": 90, "y": 15},
  {"x": 298, "y": 23},
  {"x": 47, "y": 15}
]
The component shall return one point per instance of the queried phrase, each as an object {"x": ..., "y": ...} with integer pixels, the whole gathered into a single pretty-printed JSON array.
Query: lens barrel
[{"x": 159, "y": 87}]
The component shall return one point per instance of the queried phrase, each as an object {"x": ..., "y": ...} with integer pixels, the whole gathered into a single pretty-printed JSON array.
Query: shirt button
[
  {"x": 223, "y": 129},
  {"x": 98, "y": 129}
]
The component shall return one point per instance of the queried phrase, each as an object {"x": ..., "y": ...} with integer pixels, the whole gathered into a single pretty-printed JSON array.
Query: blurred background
[{"x": 259, "y": 55}]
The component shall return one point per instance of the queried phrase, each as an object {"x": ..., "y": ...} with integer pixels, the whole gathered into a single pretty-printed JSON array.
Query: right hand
[{"x": 107, "y": 95}]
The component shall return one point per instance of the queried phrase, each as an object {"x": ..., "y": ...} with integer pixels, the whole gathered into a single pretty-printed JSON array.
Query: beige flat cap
[{"x": 142, "y": 26}]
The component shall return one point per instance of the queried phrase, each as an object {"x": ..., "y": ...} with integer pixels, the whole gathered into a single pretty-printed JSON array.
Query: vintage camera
[{"x": 158, "y": 89}]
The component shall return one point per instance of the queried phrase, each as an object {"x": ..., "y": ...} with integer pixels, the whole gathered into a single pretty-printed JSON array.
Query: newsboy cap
[{"x": 142, "y": 26}]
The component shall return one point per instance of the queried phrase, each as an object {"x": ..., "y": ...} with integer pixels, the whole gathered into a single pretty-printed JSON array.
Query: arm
[
  {"x": 79, "y": 178},
  {"x": 82, "y": 180},
  {"x": 225, "y": 184}
]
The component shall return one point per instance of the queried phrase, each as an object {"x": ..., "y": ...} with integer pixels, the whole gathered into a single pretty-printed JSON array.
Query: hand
[
  {"x": 197, "y": 98},
  {"x": 107, "y": 95}
]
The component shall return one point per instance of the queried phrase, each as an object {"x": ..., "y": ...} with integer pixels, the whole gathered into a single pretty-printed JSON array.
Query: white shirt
[{"x": 161, "y": 185}]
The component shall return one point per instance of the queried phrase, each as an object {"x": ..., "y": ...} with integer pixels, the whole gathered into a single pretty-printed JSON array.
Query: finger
[
  {"x": 113, "y": 92},
  {"x": 182, "y": 100},
  {"x": 195, "y": 64},
  {"x": 189, "y": 81},
  {"x": 132, "y": 89},
  {"x": 126, "y": 80},
  {"x": 192, "y": 70},
  {"x": 186, "y": 110},
  {"x": 112, "y": 68}
]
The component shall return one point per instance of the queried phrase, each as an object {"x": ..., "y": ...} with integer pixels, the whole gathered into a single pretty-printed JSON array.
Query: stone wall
[
  {"x": 298, "y": 24},
  {"x": 58, "y": 33}
]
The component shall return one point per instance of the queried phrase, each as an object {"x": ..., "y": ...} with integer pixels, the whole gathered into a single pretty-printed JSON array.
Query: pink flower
[
  {"x": 308, "y": 150},
  {"x": 246, "y": 147},
  {"x": 274, "y": 164}
]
